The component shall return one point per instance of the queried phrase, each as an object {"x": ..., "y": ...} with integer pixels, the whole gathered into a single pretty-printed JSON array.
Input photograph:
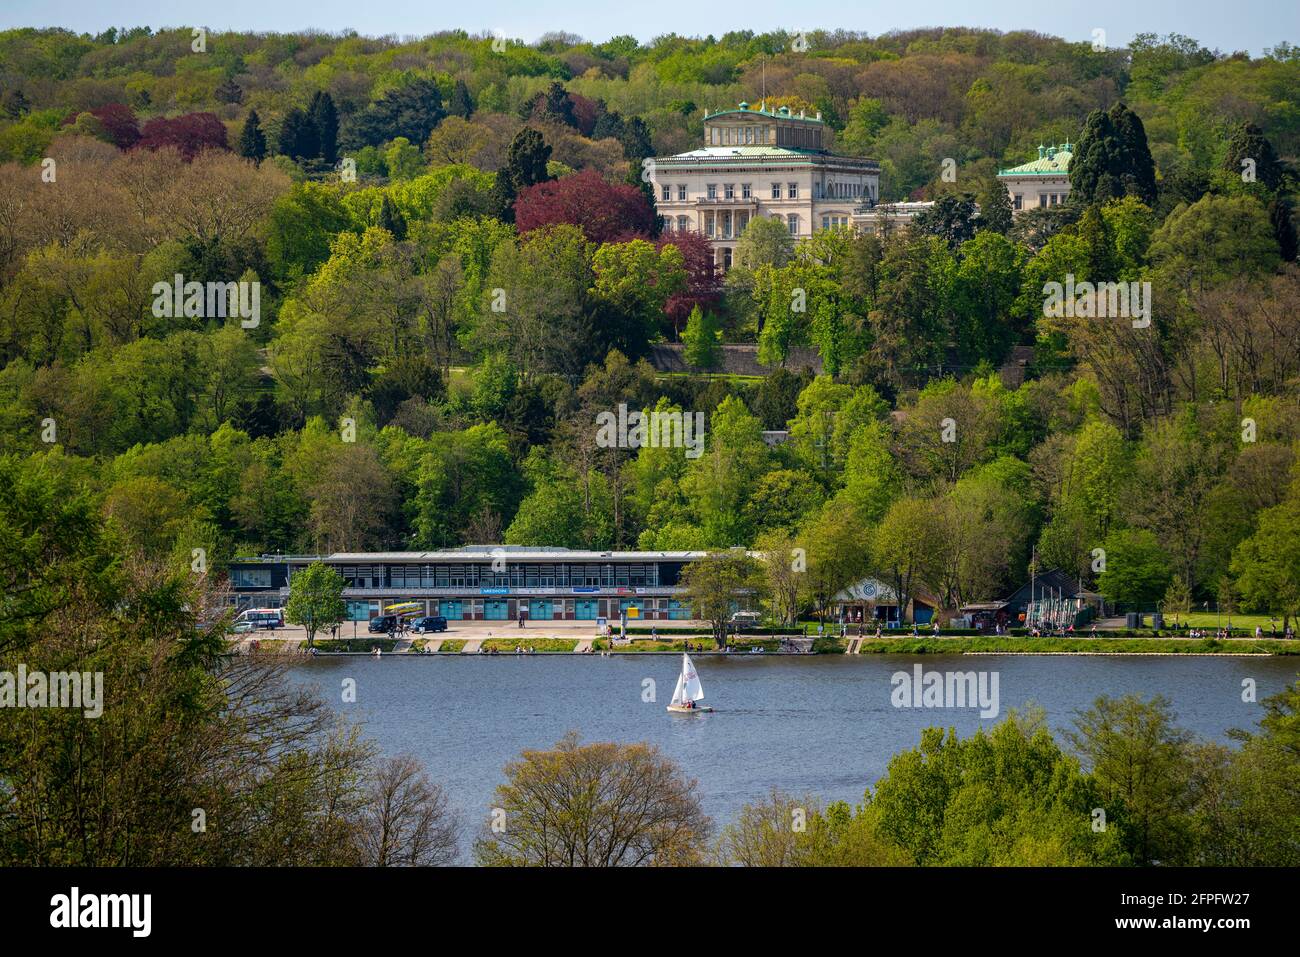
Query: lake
[{"x": 823, "y": 725}]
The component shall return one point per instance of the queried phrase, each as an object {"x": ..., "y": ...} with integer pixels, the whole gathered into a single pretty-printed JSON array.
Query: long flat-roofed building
[
  {"x": 760, "y": 162},
  {"x": 484, "y": 582}
]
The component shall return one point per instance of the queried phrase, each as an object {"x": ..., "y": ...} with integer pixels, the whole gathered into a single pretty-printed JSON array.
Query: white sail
[
  {"x": 677, "y": 692},
  {"x": 689, "y": 682}
]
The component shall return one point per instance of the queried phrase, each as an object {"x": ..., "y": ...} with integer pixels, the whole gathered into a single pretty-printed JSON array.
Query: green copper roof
[
  {"x": 781, "y": 113},
  {"x": 1051, "y": 160}
]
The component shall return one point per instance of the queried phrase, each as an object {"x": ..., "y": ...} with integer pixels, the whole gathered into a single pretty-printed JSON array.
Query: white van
[{"x": 259, "y": 619}]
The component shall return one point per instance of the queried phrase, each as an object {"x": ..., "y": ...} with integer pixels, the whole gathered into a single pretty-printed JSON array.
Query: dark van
[
  {"x": 383, "y": 624},
  {"x": 430, "y": 623}
]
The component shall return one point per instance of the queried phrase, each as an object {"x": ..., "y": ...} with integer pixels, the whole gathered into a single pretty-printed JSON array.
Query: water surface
[{"x": 822, "y": 725}]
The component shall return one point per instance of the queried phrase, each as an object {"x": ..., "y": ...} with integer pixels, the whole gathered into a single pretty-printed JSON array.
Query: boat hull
[{"x": 678, "y": 709}]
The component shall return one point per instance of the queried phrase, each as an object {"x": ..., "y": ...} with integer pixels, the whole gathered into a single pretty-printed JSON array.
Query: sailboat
[{"x": 689, "y": 692}]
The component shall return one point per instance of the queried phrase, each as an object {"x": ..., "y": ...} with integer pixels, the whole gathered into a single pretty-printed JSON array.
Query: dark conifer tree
[
  {"x": 461, "y": 103},
  {"x": 298, "y": 136},
  {"x": 391, "y": 218},
  {"x": 326, "y": 119},
  {"x": 229, "y": 92},
  {"x": 1249, "y": 143},
  {"x": 1112, "y": 159},
  {"x": 525, "y": 166},
  {"x": 995, "y": 207},
  {"x": 1281, "y": 215},
  {"x": 252, "y": 141}
]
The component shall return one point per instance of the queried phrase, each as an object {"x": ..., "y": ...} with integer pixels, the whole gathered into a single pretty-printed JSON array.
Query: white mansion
[
  {"x": 1042, "y": 182},
  {"x": 760, "y": 162}
]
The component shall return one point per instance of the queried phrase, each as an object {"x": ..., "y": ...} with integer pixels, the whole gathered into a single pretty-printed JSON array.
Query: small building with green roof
[{"x": 1039, "y": 183}]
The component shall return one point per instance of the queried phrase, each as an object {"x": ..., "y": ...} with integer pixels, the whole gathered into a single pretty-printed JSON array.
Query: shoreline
[{"x": 1181, "y": 648}]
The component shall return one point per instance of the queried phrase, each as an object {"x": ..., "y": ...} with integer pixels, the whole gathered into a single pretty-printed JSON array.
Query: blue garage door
[
  {"x": 587, "y": 609},
  {"x": 495, "y": 609},
  {"x": 450, "y": 610},
  {"x": 539, "y": 610}
]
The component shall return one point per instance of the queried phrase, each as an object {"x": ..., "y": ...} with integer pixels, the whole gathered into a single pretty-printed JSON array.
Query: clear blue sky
[{"x": 1227, "y": 25}]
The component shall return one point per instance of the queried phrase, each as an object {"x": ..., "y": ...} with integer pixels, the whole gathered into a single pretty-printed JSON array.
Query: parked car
[
  {"x": 428, "y": 623},
  {"x": 383, "y": 624},
  {"x": 746, "y": 619}
]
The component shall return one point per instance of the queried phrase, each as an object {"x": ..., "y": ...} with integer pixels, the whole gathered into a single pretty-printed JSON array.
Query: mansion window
[
  {"x": 1018, "y": 201},
  {"x": 776, "y": 190},
  {"x": 792, "y": 190},
  {"x": 667, "y": 193},
  {"x": 729, "y": 191},
  {"x": 834, "y": 220},
  {"x": 711, "y": 190},
  {"x": 745, "y": 191},
  {"x": 792, "y": 222},
  {"x": 683, "y": 224},
  {"x": 709, "y": 219},
  {"x": 681, "y": 192}
]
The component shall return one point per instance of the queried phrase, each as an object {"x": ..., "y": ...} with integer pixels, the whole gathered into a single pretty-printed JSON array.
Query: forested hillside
[{"x": 459, "y": 268}]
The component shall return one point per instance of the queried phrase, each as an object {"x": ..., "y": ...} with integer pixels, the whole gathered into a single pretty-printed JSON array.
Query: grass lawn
[
  {"x": 452, "y": 646},
  {"x": 355, "y": 644},
  {"x": 1202, "y": 619},
  {"x": 506, "y": 646},
  {"x": 1168, "y": 646},
  {"x": 697, "y": 642}
]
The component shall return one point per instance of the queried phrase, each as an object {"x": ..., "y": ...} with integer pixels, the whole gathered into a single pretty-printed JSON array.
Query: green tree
[
  {"x": 595, "y": 805},
  {"x": 1139, "y": 762},
  {"x": 765, "y": 242},
  {"x": 952, "y": 218},
  {"x": 1137, "y": 568},
  {"x": 904, "y": 547},
  {"x": 316, "y": 599},
  {"x": 716, "y": 584},
  {"x": 1178, "y": 598},
  {"x": 1215, "y": 239},
  {"x": 1266, "y": 565},
  {"x": 702, "y": 340},
  {"x": 1005, "y": 797}
]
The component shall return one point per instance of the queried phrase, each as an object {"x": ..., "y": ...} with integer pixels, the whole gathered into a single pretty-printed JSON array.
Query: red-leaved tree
[
  {"x": 118, "y": 121},
  {"x": 607, "y": 212},
  {"x": 189, "y": 134},
  {"x": 703, "y": 281}
]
